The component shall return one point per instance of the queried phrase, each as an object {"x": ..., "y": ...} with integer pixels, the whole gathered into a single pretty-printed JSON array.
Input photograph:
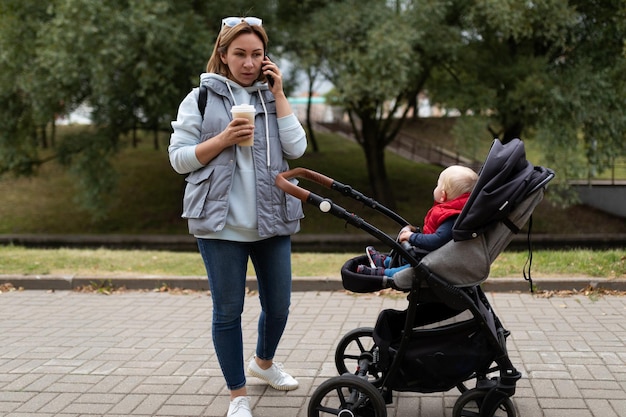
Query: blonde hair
[
  {"x": 226, "y": 36},
  {"x": 457, "y": 180}
]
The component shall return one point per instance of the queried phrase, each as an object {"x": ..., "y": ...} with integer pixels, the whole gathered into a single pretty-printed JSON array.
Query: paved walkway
[{"x": 70, "y": 354}]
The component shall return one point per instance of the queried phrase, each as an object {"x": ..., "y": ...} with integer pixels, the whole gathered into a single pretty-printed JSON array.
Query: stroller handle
[
  {"x": 327, "y": 206},
  {"x": 282, "y": 182}
]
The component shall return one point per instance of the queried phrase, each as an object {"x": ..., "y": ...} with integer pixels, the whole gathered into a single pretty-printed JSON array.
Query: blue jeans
[{"x": 226, "y": 263}]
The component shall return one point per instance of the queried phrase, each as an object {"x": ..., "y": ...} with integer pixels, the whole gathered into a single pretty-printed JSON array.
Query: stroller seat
[{"x": 506, "y": 193}]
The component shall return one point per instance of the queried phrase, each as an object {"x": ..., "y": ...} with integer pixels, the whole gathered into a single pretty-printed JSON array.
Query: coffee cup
[{"x": 246, "y": 111}]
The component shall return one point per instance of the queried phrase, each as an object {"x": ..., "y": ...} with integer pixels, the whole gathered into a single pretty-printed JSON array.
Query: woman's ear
[{"x": 223, "y": 58}]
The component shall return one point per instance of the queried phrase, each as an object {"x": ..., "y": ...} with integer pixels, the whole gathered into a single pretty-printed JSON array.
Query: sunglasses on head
[{"x": 234, "y": 21}]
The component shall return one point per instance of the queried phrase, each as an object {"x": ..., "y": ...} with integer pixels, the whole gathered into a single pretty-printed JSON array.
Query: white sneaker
[
  {"x": 239, "y": 407},
  {"x": 274, "y": 375}
]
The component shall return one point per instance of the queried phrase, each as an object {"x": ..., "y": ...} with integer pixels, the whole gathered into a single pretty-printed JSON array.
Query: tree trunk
[
  {"x": 43, "y": 136},
  {"x": 374, "y": 148},
  {"x": 512, "y": 131},
  {"x": 53, "y": 133},
  {"x": 155, "y": 136},
  {"x": 135, "y": 140},
  {"x": 309, "y": 123}
]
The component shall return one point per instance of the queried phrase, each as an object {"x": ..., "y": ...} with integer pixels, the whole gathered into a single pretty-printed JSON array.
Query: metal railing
[{"x": 414, "y": 149}]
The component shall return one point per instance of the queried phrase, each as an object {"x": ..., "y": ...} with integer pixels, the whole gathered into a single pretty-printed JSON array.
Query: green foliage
[
  {"x": 367, "y": 50},
  {"x": 131, "y": 62},
  {"x": 470, "y": 135},
  {"x": 549, "y": 68},
  {"x": 88, "y": 158},
  {"x": 19, "y": 22}
]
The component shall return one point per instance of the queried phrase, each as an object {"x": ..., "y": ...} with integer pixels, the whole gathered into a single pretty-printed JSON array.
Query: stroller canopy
[
  {"x": 504, "y": 181},
  {"x": 506, "y": 193}
]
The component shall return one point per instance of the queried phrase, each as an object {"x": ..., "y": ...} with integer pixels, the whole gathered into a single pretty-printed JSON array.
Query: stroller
[{"x": 449, "y": 336}]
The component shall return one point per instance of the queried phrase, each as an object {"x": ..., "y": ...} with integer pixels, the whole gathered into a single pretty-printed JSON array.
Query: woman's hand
[
  {"x": 270, "y": 69},
  {"x": 283, "y": 108},
  {"x": 238, "y": 129}
]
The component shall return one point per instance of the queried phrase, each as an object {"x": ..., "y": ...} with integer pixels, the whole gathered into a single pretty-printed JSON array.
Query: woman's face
[{"x": 244, "y": 58}]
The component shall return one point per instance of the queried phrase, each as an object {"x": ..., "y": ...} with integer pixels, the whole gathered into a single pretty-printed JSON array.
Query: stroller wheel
[
  {"x": 472, "y": 401},
  {"x": 355, "y": 346},
  {"x": 347, "y": 396}
]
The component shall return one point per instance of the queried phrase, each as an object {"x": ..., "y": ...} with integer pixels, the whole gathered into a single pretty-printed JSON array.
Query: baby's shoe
[
  {"x": 366, "y": 270},
  {"x": 376, "y": 258}
]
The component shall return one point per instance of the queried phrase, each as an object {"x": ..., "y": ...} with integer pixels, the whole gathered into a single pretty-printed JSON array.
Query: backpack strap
[{"x": 202, "y": 96}]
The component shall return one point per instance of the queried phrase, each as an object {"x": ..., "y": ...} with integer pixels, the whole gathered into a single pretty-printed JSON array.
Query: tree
[
  {"x": 368, "y": 53},
  {"x": 295, "y": 39},
  {"x": 584, "y": 110},
  {"x": 379, "y": 55},
  {"x": 19, "y": 22},
  {"x": 131, "y": 62},
  {"x": 549, "y": 69}
]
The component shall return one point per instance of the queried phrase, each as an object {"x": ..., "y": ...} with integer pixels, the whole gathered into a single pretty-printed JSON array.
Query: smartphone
[{"x": 270, "y": 79}]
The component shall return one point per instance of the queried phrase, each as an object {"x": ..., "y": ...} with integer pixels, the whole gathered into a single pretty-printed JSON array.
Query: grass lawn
[
  {"x": 148, "y": 198},
  {"x": 111, "y": 263},
  {"x": 148, "y": 201}
]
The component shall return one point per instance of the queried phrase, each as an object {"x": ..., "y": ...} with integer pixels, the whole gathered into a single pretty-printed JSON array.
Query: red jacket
[{"x": 439, "y": 212}]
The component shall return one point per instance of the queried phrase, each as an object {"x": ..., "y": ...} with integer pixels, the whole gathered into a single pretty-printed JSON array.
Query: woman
[{"x": 232, "y": 205}]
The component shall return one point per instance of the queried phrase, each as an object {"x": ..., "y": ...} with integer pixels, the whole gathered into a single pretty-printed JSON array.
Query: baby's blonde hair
[{"x": 457, "y": 180}]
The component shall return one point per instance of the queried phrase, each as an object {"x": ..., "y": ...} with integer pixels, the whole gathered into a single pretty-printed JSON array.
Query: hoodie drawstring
[{"x": 231, "y": 93}]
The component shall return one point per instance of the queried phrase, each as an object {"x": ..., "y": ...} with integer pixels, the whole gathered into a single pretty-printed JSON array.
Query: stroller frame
[{"x": 383, "y": 367}]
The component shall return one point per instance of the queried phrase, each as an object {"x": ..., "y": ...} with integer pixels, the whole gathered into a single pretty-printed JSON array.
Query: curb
[
  {"x": 194, "y": 283},
  {"x": 200, "y": 283},
  {"x": 300, "y": 242}
]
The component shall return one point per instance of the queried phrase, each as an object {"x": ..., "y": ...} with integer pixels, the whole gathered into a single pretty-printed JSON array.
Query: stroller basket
[{"x": 435, "y": 359}]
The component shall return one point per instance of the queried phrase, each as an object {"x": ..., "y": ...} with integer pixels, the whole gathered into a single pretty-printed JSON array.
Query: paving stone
[{"x": 69, "y": 354}]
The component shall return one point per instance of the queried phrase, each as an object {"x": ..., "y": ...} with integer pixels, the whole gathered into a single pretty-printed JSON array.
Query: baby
[{"x": 453, "y": 188}]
